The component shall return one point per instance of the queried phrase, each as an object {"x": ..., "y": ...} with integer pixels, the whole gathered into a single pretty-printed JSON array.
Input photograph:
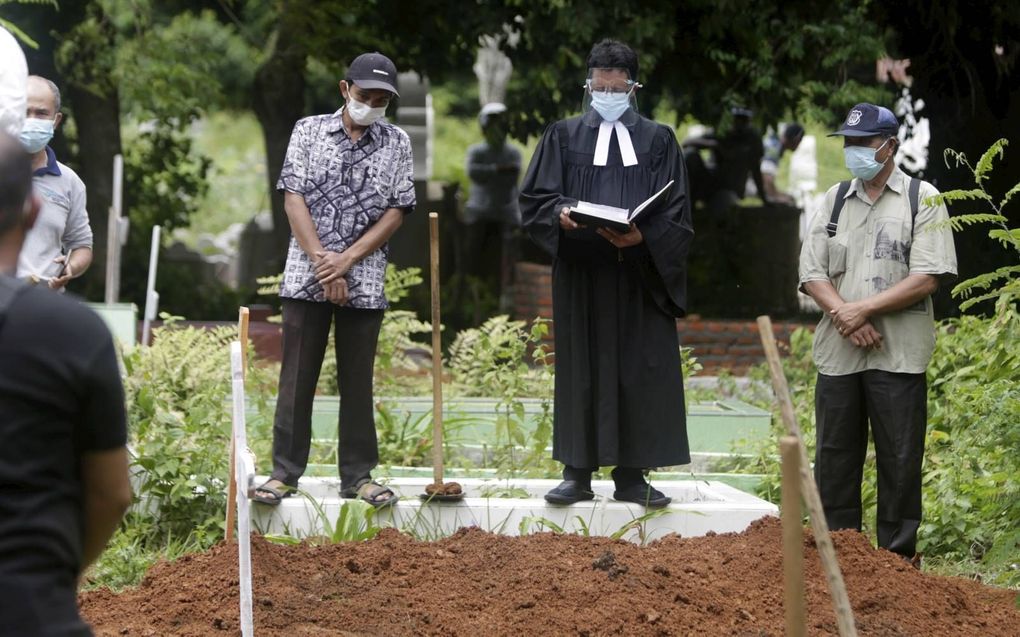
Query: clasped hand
[
  {"x": 851, "y": 321},
  {"x": 330, "y": 268}
]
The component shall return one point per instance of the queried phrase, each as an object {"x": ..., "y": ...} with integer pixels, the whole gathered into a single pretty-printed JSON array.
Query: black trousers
[
  {"x": 896, "y": 406},
  {"x": 305, "y": 335}
]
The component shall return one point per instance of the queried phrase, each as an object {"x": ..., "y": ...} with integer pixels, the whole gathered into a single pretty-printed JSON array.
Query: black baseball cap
[
  {"x": 373, "y": 70},
  {"x": 865, "y": 120}
]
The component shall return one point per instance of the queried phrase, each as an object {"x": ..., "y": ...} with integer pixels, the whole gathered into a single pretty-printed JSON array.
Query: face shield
[{"x": 610, "y": 92}]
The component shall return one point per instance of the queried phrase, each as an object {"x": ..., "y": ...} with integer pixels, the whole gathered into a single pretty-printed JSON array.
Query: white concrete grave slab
[{"x": 698, "y": 507}]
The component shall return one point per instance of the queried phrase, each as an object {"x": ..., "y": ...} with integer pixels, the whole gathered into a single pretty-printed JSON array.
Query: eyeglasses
[{"x": 610, "y": 86}]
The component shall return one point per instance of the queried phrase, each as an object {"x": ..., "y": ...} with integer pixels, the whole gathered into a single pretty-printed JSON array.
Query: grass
[{"x": 238, "y": 189}]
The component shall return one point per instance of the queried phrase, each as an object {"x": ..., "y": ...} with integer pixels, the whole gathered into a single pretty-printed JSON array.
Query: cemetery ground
[{"x": 479, "y": 583}]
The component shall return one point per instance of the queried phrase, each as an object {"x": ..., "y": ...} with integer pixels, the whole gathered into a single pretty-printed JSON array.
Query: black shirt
[{"x": 60, "y": 397}]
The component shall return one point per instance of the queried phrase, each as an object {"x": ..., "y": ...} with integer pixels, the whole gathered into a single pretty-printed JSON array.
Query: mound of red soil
[{"x": 476, "y": 583}]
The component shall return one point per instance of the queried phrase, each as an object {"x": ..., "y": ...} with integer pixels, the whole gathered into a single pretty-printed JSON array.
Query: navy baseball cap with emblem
[
  {"x": 373, "y": 70},
  {"x": 865, "y": 120}
]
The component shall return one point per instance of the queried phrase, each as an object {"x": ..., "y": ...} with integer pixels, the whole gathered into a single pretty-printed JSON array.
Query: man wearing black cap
[
  {"x": 871, "y": 264},
  {"x": 347, "y": 182}
]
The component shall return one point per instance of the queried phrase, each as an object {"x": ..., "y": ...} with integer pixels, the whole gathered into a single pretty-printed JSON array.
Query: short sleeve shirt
[
  {"x": 61, "y": 397},
  {"x": 63, "y": 222},
  {"x": 773, "y": 147},
  {"x": 876, "y": 246},
  {"x": 347, "y": 187}
]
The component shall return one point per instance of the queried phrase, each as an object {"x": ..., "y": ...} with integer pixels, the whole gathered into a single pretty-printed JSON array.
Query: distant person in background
[
  {"x": 737, "y": 153},
  {"x": 775, "y": 145},
  {"x": 13, "y": 78},
  {"x": 63, "y": 461},
  {"x": 491, "y": 214},
  {"x": 59, "y": 246}
]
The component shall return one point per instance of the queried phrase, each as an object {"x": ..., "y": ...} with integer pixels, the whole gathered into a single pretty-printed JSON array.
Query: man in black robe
[{"x": 616, "y": 296}]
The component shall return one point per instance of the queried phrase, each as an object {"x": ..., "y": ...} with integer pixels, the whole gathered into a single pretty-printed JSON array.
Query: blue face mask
[
  {"x": 35, "y": 134},
  {"x": 861, "y": 162},
  {"x": 610, "y": 105}
]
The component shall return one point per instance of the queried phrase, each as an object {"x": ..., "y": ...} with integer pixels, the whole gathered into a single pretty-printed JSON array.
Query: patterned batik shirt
[{"x": 347, "y": 187}]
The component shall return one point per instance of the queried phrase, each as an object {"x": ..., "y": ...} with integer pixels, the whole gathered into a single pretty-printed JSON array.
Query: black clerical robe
[{"x": 619, "y": 390}]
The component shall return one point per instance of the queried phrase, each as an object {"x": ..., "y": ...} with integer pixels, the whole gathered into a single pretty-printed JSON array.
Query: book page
[
  {"x": 651, "y": 200},
  {"x": 611, "y": 213}
]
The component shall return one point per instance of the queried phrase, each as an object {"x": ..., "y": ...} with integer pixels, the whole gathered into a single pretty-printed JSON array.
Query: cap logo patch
[
  {"x": 854, "y": 118},
  {"x": 380, "y": 72}
]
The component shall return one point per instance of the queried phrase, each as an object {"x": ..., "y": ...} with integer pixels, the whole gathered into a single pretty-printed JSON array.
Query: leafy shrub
[
  {"x": 1007, "y": 278},
  {"x": 492, "y": 361},
  {"x": 972, "y": 468},
  {"x": 178, "y": 395}
]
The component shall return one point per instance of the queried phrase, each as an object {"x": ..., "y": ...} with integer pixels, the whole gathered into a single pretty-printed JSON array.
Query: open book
[{"x": 619, "y": 219}]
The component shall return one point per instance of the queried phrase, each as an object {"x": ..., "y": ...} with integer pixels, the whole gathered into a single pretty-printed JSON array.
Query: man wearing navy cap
[
  {"x": 871, "y": 264},
  {"x": 347, "y": 182}
]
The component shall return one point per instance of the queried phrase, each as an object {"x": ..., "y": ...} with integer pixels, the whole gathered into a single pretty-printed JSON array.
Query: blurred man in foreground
[{"x": 63, "y": 461}]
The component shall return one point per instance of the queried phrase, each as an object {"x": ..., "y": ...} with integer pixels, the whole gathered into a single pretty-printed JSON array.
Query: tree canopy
[{"x": 168, "y": 62}]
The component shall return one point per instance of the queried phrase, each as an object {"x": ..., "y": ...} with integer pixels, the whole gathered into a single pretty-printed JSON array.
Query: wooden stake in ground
[
  {"x": 837, "y": 588},
  {"x": 437, "y": 354},
  {"x": 438, "y": 491},
  {"x": 242, "y": 328},
  {"x": 793, "y": 539}
]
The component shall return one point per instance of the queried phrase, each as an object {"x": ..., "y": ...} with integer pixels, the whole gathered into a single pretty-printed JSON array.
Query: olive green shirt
[{"x": 875, "y": 247}]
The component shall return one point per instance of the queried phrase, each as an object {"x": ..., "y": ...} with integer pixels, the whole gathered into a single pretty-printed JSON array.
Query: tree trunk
[
  {"x": 278, "y": 100},
  {"x": 98, "y": 122}
]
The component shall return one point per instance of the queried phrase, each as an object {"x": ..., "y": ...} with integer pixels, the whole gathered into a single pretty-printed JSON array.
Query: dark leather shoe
[
  {"x": 569, "y": 492},
  {"x": 643, "y": 494}
]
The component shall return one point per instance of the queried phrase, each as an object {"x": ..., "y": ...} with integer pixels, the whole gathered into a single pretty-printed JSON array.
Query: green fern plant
[
  {"x": 13, "y": 28},
  {"x": 1006, "y": 278}
]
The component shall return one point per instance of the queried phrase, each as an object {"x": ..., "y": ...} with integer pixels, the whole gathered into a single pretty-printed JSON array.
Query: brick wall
[
  {"x": 717, "y": 343},
  {"x": 730, "y": 344}
]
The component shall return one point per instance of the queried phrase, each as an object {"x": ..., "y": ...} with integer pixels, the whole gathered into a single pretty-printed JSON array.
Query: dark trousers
[
  {"x": 896, "y": 407},
  {"x": 305, "y": 335}
]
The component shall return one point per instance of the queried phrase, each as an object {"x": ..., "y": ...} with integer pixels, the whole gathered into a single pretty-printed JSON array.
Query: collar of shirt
[
  {"x": 895, "y": 182},
  {"x": 51, "y": 167},
  {"x": 593, "y": 119},
  {"x": 336, "y": 125}
]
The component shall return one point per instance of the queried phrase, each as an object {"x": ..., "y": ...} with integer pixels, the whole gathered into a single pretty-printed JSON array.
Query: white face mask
[
  {"x": 35, "y": 134},
  {"x": 363, "y": 114}
]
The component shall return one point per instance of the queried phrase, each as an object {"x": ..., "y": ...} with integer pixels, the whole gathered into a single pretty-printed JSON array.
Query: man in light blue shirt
[{"x": 59, "y": 247}]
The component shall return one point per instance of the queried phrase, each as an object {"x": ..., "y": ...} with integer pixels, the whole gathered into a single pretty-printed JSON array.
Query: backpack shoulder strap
[
  {"x": 914, "y": 191},
  {"x": 837, "y": 207}
]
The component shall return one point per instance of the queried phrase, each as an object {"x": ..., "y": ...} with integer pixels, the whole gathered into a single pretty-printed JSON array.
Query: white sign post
[
  {"x": 245, "y": 474},
  {"x": 115, "y": 233},
  {"x": 151, "y": 296}
]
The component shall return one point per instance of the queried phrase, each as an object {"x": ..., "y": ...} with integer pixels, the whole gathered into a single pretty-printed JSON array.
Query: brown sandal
[{"x": 371, "y": 492}]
